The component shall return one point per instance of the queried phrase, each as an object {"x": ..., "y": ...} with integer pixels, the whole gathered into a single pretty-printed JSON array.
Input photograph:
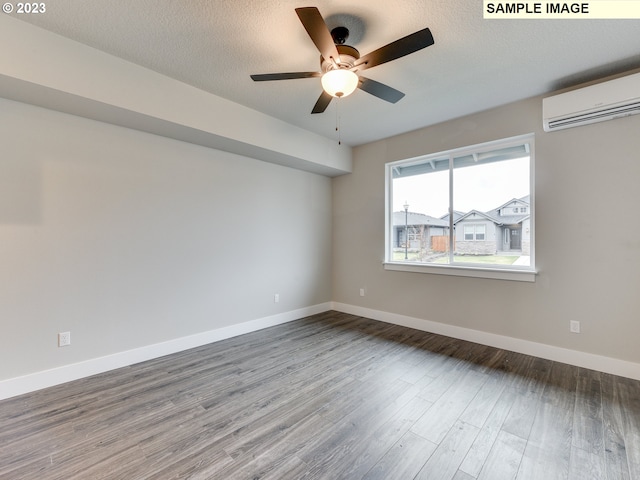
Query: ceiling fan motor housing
[{"x": 348, "y": 56}]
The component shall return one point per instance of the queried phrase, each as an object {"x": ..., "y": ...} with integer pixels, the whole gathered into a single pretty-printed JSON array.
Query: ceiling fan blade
[
  {"x": 322, "y": 103},
  {"x": 318, "y": 31},
  {"x": 380, "y": 90},
  {"x": 265, "y": 77},
  {"x": 404, "y": 46}
]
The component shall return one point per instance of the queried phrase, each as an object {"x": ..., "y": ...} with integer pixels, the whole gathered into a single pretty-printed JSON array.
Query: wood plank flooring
[{"x": 332, "y": 396}]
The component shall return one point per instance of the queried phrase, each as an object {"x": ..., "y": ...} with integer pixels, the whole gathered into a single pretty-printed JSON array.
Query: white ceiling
[{"x": 474, "y": 65}]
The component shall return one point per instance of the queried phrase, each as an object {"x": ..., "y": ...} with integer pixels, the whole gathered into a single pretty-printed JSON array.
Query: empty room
[{"x": 345, "y": 240}]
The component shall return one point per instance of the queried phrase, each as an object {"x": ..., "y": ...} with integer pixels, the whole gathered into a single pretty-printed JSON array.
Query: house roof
[
  {"x": 509, "y": 219},
  {"x": 493, "y": 215},
  {"x": 495, "y": 218},
  {"x": 476, "y": 212},
  {"x": 456, "y": 215},
  {"x": 526, "y": 199},
  {"x": 414, "y": 218},
  {"x": 418, "y": 219}
]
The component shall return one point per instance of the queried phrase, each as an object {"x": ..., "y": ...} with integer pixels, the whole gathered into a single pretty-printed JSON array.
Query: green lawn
[
  {"x": 492, "y": 259},
  {"x": 489, "y": 259},
  {"x": 399, "y": 256}
]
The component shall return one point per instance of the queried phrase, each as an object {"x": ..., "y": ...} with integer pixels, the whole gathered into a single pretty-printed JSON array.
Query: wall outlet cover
[{"x": 64, "y": 339}]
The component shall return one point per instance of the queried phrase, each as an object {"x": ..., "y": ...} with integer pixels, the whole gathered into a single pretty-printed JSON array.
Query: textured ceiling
[{"x": 475, "y": 64}]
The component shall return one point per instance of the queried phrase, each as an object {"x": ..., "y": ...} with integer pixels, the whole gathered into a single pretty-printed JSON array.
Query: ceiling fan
[{"x": 341, "y": 64}]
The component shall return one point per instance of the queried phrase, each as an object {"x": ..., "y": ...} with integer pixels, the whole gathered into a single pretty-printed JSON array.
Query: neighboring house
[
  {"x": 420, "y": 228},
  {"x": 503, "y": 229},
  {"x": 456, "y": 215}
]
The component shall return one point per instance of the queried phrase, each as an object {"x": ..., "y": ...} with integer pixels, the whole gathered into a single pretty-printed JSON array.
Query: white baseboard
[
  {"x": 48, "y": 378},
  {"x": 572, "y": 357},
  {"x": 55, "y": 376}
]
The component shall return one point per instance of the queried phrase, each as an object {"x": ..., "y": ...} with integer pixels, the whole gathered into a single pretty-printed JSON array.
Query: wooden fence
[{"x": 440, "y": 243}]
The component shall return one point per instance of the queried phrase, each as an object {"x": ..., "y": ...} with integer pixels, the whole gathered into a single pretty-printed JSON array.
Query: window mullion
[{"x": 451, "y": 231}]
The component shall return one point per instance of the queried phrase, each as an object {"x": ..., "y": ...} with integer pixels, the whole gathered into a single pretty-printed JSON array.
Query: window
[
  {"x": 468, "y": 232},
  {"x": 474, "y": 232},
  {"x": 474, "y": 207}
]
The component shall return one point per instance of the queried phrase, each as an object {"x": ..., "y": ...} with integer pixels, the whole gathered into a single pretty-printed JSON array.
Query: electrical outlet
[
  {"x": 276, "y": 298},
  {"x": 64, "y": 339},
  {"x": 362, "y": 292},
  {"x": 574, "y": 326}
]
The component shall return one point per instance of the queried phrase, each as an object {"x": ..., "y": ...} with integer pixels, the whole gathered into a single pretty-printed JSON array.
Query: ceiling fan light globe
[{"x": 339, "y": 82}]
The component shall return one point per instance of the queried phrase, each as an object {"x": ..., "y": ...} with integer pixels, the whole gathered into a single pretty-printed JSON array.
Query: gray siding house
[
  {"x": 503, "y": 229},
  {"x": 420, "y": 229}
]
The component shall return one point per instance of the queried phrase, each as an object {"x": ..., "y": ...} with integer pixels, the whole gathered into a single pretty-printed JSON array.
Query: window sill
[{"x": 462, "y": 271}]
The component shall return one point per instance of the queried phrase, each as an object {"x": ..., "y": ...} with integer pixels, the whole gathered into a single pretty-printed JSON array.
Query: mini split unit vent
[{"x": 595, "y": 103}]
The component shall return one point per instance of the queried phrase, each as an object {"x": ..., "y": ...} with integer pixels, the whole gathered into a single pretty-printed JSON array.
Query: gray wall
[
  {"x": 587, "y": 273},
  {"x": 129, "y": 239}
]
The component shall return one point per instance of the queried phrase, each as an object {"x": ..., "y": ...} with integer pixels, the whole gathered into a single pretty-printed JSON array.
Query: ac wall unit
[{"x": 596, "y": 103}]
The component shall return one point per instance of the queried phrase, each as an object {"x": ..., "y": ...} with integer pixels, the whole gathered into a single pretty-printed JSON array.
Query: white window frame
[{"x": 500, "y": 272}]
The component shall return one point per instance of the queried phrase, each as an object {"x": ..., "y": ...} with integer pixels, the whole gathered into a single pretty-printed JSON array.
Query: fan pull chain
[{"x": 338, "y": 121}]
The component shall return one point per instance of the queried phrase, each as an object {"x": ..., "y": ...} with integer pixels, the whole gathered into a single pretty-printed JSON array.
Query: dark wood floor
[{"x": 331, "y": 396}]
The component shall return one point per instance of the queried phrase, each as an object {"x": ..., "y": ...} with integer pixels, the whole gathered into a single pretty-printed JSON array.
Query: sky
[{"x": 481, "y": 187}]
